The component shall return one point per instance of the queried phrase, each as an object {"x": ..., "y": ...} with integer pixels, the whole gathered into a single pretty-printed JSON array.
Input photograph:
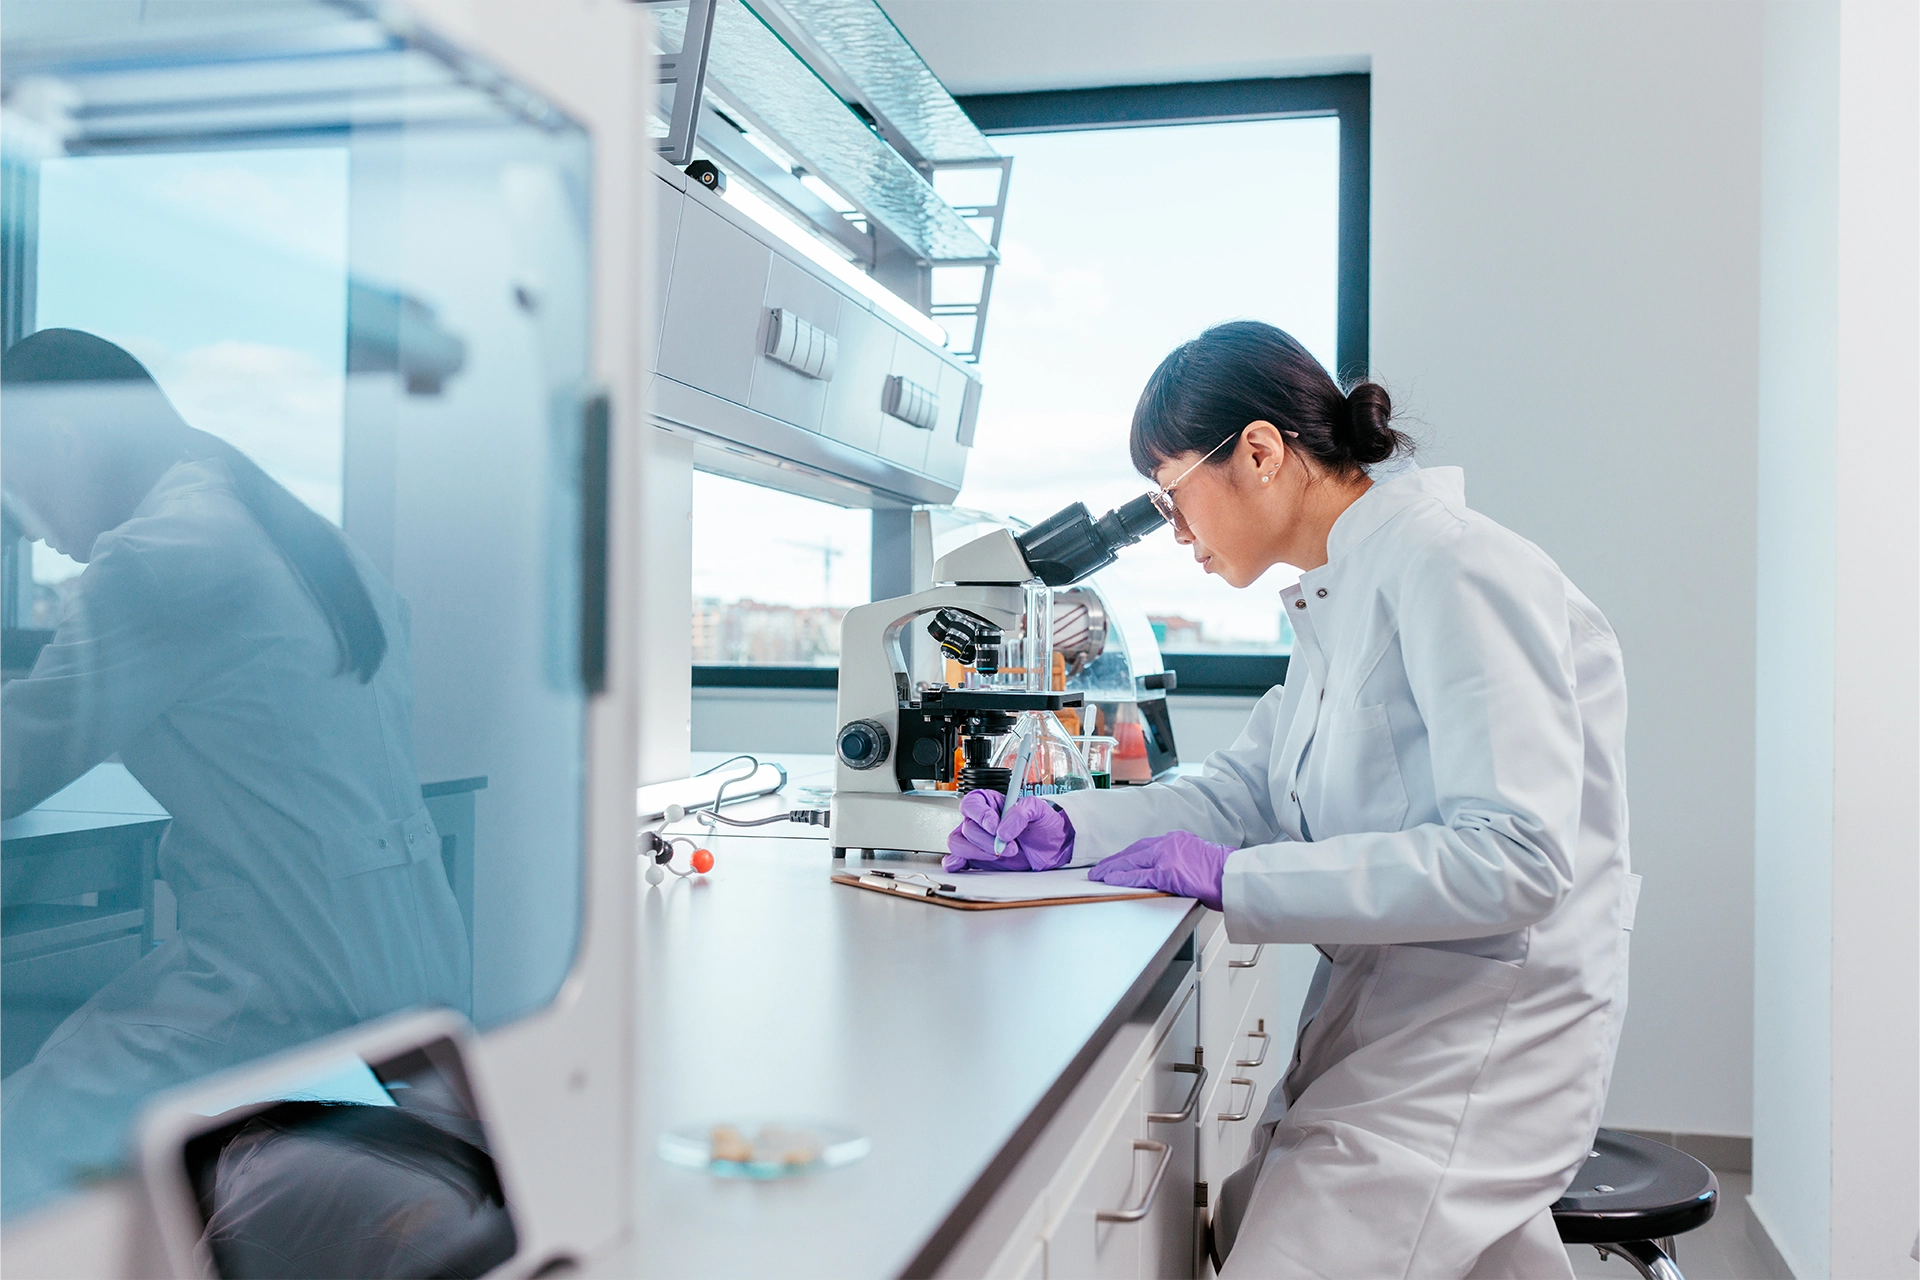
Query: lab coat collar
[{"x": 1387, "y": 499}]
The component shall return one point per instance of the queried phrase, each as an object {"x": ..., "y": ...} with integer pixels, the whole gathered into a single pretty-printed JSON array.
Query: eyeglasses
[{"x": 1162, "y": 498}]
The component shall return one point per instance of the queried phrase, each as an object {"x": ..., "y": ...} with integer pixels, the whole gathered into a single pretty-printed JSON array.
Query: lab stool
[{"x": 1632, "y": 1197}]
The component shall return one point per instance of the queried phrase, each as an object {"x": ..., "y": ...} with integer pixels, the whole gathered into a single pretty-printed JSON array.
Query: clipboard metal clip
[{"x": 904, "y": 882}]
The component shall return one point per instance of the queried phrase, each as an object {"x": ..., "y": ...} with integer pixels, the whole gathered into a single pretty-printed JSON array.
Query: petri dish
[{"x": 763, "y": 1149}]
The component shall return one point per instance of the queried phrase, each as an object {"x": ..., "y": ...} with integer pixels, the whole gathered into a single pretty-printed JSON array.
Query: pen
[{"x": 1021, "y": 760}]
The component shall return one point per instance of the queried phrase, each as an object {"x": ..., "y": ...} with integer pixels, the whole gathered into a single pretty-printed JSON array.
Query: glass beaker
[
  {"x": 1041, "y": 757},
  {"x": 1130, "y": 762},
  {"x": 1097, "y": 751}
]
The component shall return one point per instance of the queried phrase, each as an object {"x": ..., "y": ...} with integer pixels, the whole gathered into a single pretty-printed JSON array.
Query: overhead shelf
[
  {"x": 890, "y": 78},
  {"x": 758, "y": 72}
]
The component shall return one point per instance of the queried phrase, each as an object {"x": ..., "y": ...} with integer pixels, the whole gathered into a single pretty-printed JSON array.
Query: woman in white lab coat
[
  {"x": 1436, "y": 800},
  {"x": 251, "y": 671}
]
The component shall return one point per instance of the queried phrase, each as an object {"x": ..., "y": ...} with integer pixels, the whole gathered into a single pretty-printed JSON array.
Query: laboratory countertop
[
  {"x": 106, "y": 796},
  {"x": 947, "y": 1037}
]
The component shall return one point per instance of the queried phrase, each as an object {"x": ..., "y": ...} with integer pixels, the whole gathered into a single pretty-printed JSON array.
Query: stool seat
[{"x": 1634, "y": 1189}]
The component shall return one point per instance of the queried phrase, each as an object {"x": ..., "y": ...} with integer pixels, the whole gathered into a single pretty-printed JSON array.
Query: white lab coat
[
  {"x": 307, "y": 871},
  {"x": 1437, "y": 800}
]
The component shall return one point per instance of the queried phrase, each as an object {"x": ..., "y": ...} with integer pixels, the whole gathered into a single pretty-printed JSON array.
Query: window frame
[{"x": 1348, "y": 97}]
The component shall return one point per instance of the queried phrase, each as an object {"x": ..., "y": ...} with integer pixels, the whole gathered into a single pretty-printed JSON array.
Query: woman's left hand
[{"x": 1179, "y": 863}]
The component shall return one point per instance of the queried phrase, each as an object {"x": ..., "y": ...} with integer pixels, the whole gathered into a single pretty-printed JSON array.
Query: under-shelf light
[{"x": 795, "y": 236}]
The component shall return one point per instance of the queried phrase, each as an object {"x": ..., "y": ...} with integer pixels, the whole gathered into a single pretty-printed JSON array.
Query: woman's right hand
[{"x": 1034, "y": 835}]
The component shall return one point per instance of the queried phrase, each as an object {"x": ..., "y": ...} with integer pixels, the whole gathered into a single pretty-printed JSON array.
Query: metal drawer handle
[
  {"x": 1247, "y": 1110},
  {"x": 1199, "y": 1074},
  {"x": 1153, "y": 1186},
  {"x": 1266, "y": 1040},
  {"x": 1251, "y": 960}
]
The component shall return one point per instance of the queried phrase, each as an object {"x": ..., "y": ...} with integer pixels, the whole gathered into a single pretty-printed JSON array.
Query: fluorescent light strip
[{"x": 749, "y": 202}]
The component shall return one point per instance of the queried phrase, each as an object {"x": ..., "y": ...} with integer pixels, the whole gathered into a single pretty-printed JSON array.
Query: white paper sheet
[{"x": 1026, "y": 886}]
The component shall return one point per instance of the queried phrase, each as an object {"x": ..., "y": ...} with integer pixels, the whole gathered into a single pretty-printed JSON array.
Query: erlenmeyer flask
[{"x": 1041, "y": 757}]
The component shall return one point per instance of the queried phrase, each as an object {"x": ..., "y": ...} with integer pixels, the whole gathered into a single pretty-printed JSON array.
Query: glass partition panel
[{"x": 291, "y": 443}]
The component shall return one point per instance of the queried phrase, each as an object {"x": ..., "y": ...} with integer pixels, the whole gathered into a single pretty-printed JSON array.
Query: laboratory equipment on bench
[
  {"x": 657, "y": 851},
  {"x": 1104, "y": 648},
  {"x": 1111, "y": 658},
  {"x": 1041, "y": 759},
  {"x": 1097, "y": 751},
  {"x": 900, "y": 739}
]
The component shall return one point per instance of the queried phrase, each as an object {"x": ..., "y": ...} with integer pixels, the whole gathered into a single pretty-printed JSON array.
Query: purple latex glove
[
  {"x": 1179, "y": 863},
  {"x": 1037, "y": 836}
]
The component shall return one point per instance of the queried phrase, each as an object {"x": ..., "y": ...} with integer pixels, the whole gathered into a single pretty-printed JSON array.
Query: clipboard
[{"x": 992, "y": 891}]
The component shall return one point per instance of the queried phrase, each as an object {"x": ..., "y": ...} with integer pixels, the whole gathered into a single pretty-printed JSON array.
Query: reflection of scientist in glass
[{"x": 250, "y": 669}]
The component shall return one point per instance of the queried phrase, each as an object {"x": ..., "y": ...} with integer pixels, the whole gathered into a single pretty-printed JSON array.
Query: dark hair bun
[
  {"x": 1369, "y": 435},
  {"x": 1206, "y": 392}
]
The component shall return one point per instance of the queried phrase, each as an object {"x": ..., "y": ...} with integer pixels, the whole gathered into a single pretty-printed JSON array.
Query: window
[
  {"x": 1138, "y": 217},
  {"x": 1126, "y": 236},
  {"x": 773, "y": 574}
]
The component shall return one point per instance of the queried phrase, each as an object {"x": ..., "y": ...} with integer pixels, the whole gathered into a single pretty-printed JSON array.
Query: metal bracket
[
  {"x": 686, "y": 71},
  {"x": 997, "y": 212}
]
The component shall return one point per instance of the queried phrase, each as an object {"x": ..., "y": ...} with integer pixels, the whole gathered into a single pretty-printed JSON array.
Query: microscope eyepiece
[
  {"x": 1070, "y": 544},
  {"x": 1126, "y": 525}
]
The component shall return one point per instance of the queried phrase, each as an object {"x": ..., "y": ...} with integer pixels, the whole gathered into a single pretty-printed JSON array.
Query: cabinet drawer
[
  {"x": 901, "y": 441},
  {"x": 1171, "y": 1096},
  {"x": 68, "y": 976},
  {"x": 1251, "y": 1062},
  {"x": 852, "y": 413},
  {"x": 710, "y": 336},
  {"x": 1227, "y": 991},
  {"x": 779, "y": 391},
  {"x": 1084, "y": 1245}
]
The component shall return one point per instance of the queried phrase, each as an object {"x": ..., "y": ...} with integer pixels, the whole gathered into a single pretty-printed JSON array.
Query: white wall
[
  {"x": 1836, "y": 1034},
  {"x": 1793, "y": 840},
  {"x": 1876, "y": 759},
  {"x": 1564, "y": 287}
]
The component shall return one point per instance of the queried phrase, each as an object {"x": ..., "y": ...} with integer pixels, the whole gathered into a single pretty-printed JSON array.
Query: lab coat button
[
  {"x": 1322, "y": 593},
  {"x": 1299, "y": 604},
  {"x": 1294, "y": 796}
]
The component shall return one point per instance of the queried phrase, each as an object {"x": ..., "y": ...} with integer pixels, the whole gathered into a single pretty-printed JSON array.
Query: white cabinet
[
  {"x": 1171, "y": 1095},
  {"x": 1212, "y": 1039},
  {"x": 1087, "y": 1242},
  {"x": 778, "y": 391},
  {"x": 1129, "y": 1212},
  {"x": 714, "y": 304}
]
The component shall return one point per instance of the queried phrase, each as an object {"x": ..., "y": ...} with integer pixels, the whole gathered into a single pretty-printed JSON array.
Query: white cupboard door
[
  {"x": 1085, "y": 1247},
  {"x": 1171, "y": 1097}
]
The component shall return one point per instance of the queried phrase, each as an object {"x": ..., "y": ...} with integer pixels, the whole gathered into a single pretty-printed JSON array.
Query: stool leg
[{"x": 1649, "y": 1259}]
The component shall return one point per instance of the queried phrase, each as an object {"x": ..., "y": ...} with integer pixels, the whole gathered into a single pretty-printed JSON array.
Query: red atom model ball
[{"x": 702, "y": 861}]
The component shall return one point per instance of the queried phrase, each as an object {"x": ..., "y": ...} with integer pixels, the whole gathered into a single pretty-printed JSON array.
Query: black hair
[
  {"x": 1209, "y": 390},
  {"x": 313, "y": 548}
]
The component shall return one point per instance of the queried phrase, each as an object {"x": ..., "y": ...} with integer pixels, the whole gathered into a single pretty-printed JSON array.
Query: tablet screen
[{"x": 360, "y": 1169}]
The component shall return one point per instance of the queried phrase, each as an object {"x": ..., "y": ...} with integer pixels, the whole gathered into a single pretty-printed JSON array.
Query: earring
[{"x": 1267, "y": 478}]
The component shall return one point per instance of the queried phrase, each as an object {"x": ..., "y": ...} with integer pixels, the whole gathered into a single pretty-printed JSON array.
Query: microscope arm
[{"x": 870, "y": 644}]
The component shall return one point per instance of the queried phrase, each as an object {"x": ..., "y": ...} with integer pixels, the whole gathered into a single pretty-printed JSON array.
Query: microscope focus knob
[{"x": 864, "y": 744}]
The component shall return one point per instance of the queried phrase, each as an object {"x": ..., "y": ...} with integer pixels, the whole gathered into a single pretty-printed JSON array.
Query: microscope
[{"x": 894, "y": 737}]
